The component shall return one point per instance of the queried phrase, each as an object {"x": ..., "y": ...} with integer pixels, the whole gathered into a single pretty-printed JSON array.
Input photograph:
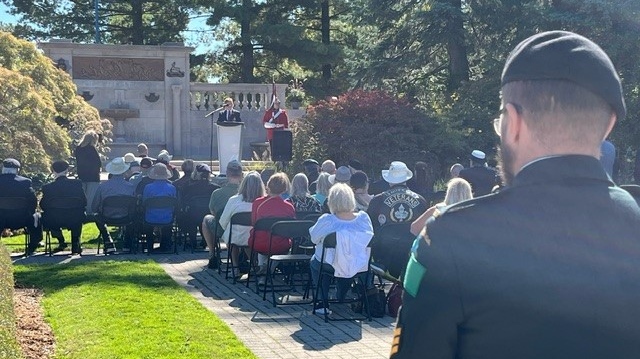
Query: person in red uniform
[
  {"x": 271, "y": 205},
  {"x": 275, "y": 119}
]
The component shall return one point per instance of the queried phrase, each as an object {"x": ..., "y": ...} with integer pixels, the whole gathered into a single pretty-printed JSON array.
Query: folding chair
[
  {"x": 118, "y": 211},
  {"x": 63, "y": 213},
  {"x": 390, "y": 247},
  {"x": 304, "y": 214},
  {"x": 297, "y": 230},
  {"x": 263, "y": 224},
  {"x": 192, "y": 215},
  {"x": 160, "y": 202},
  {"x": 313, "y": 216},
  {"x": 238, "y": 219},
  {"x": 12, "y": 209},
  {"x": 330, "y": 241}
]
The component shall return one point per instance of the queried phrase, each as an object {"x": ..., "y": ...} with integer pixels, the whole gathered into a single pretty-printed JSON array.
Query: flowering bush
[{"x": 372, "y": 127}]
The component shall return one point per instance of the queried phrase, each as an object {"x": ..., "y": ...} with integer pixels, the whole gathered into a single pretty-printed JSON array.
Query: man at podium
[
  {"x": 229, "y": 114},
  {"x": 275, "y": 119}
]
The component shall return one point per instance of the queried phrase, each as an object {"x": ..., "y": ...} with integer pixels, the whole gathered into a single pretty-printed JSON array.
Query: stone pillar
[{"x": 176, "y": 120}]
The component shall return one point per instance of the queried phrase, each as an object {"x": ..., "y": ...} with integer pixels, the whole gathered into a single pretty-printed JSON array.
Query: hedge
[{"x": 8, "y": 344}]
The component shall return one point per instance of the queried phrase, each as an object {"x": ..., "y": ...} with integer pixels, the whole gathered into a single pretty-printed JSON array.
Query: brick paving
[{"x": 280, "y": 332}]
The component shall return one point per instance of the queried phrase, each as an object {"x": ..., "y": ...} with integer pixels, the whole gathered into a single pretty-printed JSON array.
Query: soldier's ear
[{"x": 513, "y": 124}]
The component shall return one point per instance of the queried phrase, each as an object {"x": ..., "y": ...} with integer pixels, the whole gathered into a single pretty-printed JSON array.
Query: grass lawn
[
  {"x": 118, "y": 309},
  {"x": 88, "y": 239}
]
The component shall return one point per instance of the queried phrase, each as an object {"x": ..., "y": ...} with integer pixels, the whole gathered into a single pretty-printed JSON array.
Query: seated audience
[
  {"x": 63, "y": 187},
  {"x": 312, "y": 170},
  {"x": 14, "y": 185},
  {"x": 116, "y": 185},
  {"x": 271, "y": 205},
  {"x": 458, "y": 190},
  {"x": 353, "y": 231},
  {"x": 322, "y": 190},
  {"x": 165, "y": 158},
  {"x": 198, "y": 187},
  {"x": 397, "y": 204},
  {"x": 300, "y": 198},
  {"x": 329, "y": 167},
  {"x": 159, "y": 187},
  {"x": 423, "y": 180},
  {"x": 455, "y": 169},
  {"x": 134, "y": 169},
  {"x": 360, "y": 184},
  {"x": 211, "y": 230},
  {"x": 187, "y": 168},
  {"x": 142, "y": 180},
  {"x": 481, "y": 177},
  {"x": 250, "y": 189}
]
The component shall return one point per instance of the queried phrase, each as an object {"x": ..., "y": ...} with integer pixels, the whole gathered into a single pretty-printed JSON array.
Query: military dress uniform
[{"x": 544, "y": 269}]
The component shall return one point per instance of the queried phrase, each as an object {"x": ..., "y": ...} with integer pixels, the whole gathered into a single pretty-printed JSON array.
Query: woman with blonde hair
[
  {"x": 458, "y": 190},
  {"x": 322, "y": 188},
  {"x": 353, "y": 231},
  {"x": 250, "y": 189}
]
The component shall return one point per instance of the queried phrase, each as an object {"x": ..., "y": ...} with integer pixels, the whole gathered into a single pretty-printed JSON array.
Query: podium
[{"x": 229, "y": 143}]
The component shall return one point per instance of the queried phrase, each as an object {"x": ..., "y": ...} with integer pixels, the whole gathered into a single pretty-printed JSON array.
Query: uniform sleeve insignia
[{"x": 395, "y": 345}]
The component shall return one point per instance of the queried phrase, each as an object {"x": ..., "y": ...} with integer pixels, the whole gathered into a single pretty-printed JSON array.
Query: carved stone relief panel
[{"x": 131, "y": 69}]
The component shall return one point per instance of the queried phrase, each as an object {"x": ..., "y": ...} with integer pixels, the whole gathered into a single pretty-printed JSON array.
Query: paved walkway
[{"x": 282, "y": 332}]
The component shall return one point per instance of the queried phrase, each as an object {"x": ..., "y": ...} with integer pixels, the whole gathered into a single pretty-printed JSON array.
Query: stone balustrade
[{"x": 247, "y": 97}]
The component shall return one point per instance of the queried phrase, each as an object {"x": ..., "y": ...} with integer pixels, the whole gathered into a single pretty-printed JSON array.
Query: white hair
[{"x": 341, "y": 198}]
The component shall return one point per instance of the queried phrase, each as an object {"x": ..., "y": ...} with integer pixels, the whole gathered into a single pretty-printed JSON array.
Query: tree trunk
[
  {"x": 137, "y": 28},
  {"x": 246, "y": 63},
  {"x": 325, "y": 25},
  {"x": 456, "y": 49}
]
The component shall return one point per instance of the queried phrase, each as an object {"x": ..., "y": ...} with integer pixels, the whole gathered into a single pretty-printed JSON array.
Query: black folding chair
[
  {"x": 330, "y": 241},
  {"x": 297, "y": 230},
  {"x": 118, "y": 211},
  {"x": 192, "y": 216},
  {"x": 160, "y": 202},
  {"x": 391, "y": 247},
  {"x": 313, "y": 216},
  {"x": 238, "y": 219},
  {"x": 63, "y": 213},
  {"x": 304, "y": 214},
  {"x": 14, "y": 212},
  {"x": 263, "y": 224}
]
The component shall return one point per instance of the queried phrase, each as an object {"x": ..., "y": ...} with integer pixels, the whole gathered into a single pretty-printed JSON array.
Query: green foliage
[
  {"x": 121, "y": 22},
  {"x": 374, "y": 128},
  {"x": 40, "y": 111},
  {"x": 126, "y": 310},
  {"x": 8, "y": 344}
]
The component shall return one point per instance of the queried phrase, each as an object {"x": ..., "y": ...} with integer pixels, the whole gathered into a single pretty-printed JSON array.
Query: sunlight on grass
[
  {"x": 88, "y": 239},
  {"x": 126, "y": 310}
]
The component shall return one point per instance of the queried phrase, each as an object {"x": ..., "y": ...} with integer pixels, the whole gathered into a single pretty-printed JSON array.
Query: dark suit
[
  {"x": 481, "y": 178},
  {"x": 17, "y": 186},
  {"x": 547, "y": 268},
  {"x": 63, "y": 187},
  {"x": 229, "y": 116}
]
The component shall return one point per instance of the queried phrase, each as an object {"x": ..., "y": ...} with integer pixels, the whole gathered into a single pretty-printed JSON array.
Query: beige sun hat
[
  {"x": 117, "y": 166},
  {"x": 129, "y": 157},
  {"x": 398, "y": 172},
  {"x": 159, "y": 172}
]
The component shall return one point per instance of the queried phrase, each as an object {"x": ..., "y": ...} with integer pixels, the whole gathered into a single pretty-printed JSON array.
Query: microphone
[{"x": 214, "y": 111}]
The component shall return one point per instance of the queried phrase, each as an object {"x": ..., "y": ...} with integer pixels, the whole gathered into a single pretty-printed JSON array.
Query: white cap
[{"x": 478, "y": 154}]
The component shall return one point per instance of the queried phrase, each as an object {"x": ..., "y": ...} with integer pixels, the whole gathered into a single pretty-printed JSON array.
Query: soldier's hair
[
  {"x": 278, "y": 183},
  {"x": 341, "y": 198},
  {"x": 558, "y": 111}
]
